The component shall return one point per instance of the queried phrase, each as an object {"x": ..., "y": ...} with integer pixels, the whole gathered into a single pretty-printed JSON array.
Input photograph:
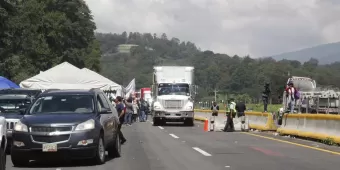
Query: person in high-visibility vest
[
  {"x": 231, "y": 112},
  {"x": 214, "y": 108}
]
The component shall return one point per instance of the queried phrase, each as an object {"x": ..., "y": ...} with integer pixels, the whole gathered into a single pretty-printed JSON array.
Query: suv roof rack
[{"x": 49, "y": 90}]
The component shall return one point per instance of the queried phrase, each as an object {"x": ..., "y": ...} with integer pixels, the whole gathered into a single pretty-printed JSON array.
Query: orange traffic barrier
[{"x": 206, "y": 125}]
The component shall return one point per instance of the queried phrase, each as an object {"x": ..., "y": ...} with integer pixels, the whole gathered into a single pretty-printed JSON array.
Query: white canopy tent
[
  {"x": 63, "y": 76},
  {"x": 110, "y": 84}
]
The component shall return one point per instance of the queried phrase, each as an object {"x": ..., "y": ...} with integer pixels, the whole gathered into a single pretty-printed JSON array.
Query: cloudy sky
[{"x": 255, "y": 27}]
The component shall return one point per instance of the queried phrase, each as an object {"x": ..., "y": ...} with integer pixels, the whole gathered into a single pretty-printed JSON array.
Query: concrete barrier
[
  {"x": 315, "y": 126},
  {"x": 256, "y": 120}
]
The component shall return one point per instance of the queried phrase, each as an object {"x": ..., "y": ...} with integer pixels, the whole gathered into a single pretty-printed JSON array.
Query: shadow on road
[
  {"x": 175, "y": 124},
  {"x": 62, "y": 164}
]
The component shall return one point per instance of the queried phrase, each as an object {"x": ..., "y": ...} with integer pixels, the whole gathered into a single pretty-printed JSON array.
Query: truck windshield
[
  {"x": 13, "y": 105},
  {"x": 173, "y": 89},
  {"x": 147, "y": 96},
  {"x": 63, "y": 104}
]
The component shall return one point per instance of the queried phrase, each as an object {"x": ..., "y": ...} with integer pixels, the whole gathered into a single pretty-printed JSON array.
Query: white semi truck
[{"x": 173, "y": 93}]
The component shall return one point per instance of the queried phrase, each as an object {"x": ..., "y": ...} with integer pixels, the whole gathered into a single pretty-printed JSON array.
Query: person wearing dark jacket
[
  {"x": 240, "y": 109},
  {"x": 143, "y": 110},
  {"x": 120, "y": 109}
]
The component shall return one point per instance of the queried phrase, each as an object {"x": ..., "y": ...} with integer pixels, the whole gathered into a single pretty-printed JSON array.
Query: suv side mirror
[{"x": 105, "y": 111}]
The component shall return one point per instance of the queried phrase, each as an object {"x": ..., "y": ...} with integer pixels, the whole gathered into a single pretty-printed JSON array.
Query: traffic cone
[{"x": 206, "y": 125}]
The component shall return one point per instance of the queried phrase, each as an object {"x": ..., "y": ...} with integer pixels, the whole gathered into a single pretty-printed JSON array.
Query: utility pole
[{"x": 215, "y": 91}]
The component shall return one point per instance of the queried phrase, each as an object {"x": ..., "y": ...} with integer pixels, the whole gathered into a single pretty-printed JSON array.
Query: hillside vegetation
[
  {"x": 228, "y": 74},
  {"x": 36, "y": 35}
]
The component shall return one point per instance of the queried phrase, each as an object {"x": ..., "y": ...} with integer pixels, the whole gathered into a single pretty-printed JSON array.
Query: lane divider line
[
  {"x": 161, "y": 127},
  {"x": 201, "y": 151},
  {"x": 292, "y": 143},
  {"x": 174, "y": 136}
]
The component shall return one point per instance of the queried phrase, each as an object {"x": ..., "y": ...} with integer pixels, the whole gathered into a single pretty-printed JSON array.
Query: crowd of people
[
  {"x": 130, "y": 110},
  {"x": 233, "y": 110}
]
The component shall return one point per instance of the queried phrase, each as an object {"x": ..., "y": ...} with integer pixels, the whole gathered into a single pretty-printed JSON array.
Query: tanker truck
[
  {"x": 313, "y": 99},
  {"x": 173, "y": 93}
]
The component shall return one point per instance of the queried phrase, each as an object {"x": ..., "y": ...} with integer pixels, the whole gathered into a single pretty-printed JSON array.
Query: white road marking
[
  {"x": 201, "y": 151},
  {"x": 160, "y": 127},
  {"x": 227, "y": 166},
  {"x": 174, "y": 136}
]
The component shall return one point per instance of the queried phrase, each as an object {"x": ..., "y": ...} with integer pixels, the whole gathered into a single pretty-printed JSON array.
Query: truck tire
[
  {"x": 158, "y": 122},
  {"x": 155, "y": 122},
  {"x": 189, "y": 122}
]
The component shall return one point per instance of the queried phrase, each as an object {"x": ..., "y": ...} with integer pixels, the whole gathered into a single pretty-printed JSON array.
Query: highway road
[{"x": 190, "y": 148}]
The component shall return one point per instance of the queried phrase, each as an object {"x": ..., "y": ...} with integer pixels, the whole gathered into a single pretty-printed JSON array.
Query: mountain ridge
[{"x": 324, "y": 53}]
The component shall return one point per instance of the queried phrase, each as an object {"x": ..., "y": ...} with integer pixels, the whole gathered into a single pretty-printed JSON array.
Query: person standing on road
[
  {"x": 241, "y": 108},
  {"x": 120, "y": 109},
  {"x": 229, "y": 126},
  {"x": 129, "y": 111},
  {"x": 135, "y": 110},
  {"x": 215, "y": 108},
  {"x": 143, "y": 110}
]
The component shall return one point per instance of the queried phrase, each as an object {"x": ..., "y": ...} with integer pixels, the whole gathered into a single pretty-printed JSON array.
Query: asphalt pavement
[{"x": 177, "y": 147}]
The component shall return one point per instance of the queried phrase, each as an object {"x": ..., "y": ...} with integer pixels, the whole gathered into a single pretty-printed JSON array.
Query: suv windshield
[
  {"x": 13, "y": 105},
  {"x": 63, "y": 104},
  {"x": 173, "y": 89}
]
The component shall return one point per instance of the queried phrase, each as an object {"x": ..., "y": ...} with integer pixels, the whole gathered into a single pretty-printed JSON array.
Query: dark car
[
  {"x": 71, "y": 124},
  {"x": 12, "y": 102}
]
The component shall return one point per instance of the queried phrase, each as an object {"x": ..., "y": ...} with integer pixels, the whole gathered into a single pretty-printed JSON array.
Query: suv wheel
[
  {"x": 115, "y": 149},
  {"x": 100, "y": 152},
  {"x": 2, "y": 159},
  {"x": 19, "y": 160}
]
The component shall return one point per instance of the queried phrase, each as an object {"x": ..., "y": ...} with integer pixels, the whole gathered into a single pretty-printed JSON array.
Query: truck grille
[
  {"x": 50, "y": 129},
  {"x": 10, "y": 125},
  {"x": 173, "y": 104},
  {"x": 50, "y": 139}
]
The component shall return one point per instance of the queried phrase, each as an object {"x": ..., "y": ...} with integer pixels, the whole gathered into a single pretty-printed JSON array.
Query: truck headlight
[
  {"x": 189, "y": 107},
  {"x": 20, "y": 127},
  {"x": 87, "y": 125}
]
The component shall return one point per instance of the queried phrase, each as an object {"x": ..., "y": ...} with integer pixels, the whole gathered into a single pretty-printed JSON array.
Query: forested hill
[{"x": 228, "y": 74}]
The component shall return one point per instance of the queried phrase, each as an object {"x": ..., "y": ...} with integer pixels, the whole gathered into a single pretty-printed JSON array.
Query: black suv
[
  {"x": 12, "y": 103},
  {"x": 71, "y": 124}
]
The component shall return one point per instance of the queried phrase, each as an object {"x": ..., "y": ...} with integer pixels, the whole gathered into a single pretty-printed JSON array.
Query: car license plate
[{"x": 49, "y": 147}]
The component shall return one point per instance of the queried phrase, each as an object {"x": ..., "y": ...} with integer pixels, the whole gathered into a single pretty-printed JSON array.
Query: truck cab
[{"x": 173, "y": 95}]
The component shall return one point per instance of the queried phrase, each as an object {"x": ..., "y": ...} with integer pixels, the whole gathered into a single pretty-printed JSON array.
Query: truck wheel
[
  {"x": 99, "y": 159},
  {"x": 114, "y": 150},
  {"x": 155, "y": 122},
  {"x": 2, "y": 159},
  {"x": 19, "y": 160},
  {"x": 189, "y": 122}
]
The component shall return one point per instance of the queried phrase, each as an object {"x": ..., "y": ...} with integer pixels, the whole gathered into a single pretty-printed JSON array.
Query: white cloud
[{"x": 254, "y": 27}]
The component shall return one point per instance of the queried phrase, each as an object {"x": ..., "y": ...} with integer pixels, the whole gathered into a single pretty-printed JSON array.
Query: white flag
[{"x": 131, "y": 88}]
